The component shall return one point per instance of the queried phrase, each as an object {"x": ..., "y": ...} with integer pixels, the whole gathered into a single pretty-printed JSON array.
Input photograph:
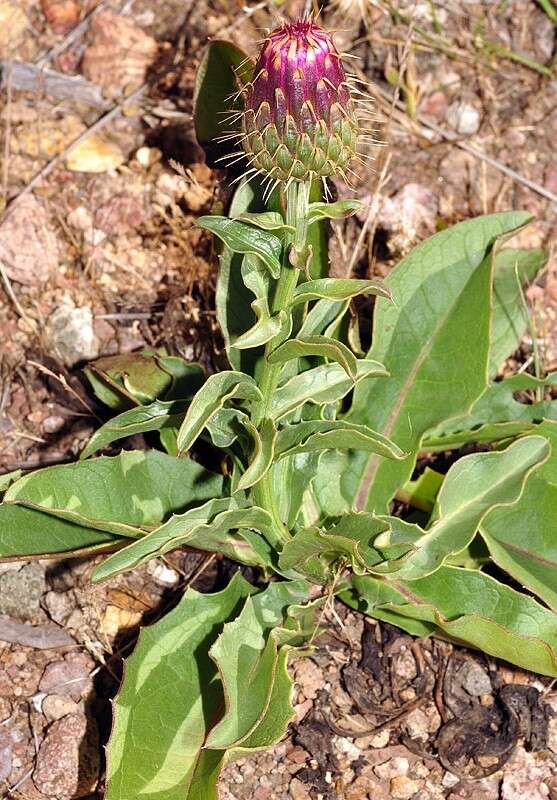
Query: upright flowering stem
[{"x": 297, "y": 201}]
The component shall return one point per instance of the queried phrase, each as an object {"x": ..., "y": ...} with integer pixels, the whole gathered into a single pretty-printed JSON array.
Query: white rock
[
  {"x": 463, "y": 118},
  {"x": 71, "y": 335}
]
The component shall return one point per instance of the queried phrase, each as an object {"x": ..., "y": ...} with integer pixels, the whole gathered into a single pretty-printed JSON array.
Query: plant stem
[{"x": 296, "y": 212}]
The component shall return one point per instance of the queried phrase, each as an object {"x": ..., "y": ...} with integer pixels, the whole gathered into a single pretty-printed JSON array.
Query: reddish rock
[{"x": 68, "y": 759}]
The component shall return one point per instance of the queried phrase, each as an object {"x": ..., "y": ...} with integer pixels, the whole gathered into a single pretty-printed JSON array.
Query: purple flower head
[{"x": 299, "y": 119}]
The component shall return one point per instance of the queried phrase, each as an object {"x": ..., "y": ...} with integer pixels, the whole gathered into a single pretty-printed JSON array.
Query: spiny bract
[{"x": 299, "y": 120}]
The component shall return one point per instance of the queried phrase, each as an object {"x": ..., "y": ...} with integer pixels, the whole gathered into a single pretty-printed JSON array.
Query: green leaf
[
  {"x": 132, "y": 379},
  {"x": 498, "y": 414},
  {"x": 324, "y": 384},
  {"x": 522, "y": 538},
  {"x": 314, "y": 435},
  {"x": 171, "y": 687},
  {"x": 212, "y": 396},
  {"x": 141, "y": 419},
  {"x": 323, "y": 314},
  {"x": 469, "y": 607},
  {"x": 513, "y": 270},
  {"x": 337, "y": 289},
  {"x": 267, "y": 220},
  {"x": 206, "y": 527},
  {"x": 242, "y": 238},
  {"x": 320, "y": 346},
  {"x": 338, "y": 210},
  {"x": 123, "y": 495},
  {"x": 473, "y": 487},
  {"x": 223, "y": 66},
  {"x": 317, "y": 554},
  {"x": 248, "y": 657},
  {"x": 28, "y": 532},
  {"x": 7, "y": 478},
  {"x": 262, "y": 456},
  {"x": 434, "y": 341}
]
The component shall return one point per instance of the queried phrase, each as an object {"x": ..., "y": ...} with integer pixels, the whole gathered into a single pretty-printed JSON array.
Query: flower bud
[{"x": 299, "y": 120}]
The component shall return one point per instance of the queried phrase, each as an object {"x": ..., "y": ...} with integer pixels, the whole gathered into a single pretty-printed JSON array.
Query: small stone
[
  {"x": 449, "y": 780},
  {"x": 298, "y": 790},
  {"x": 61, "y": 15},
  {"x": 309, "y": 677},
  {"x": 21, "y": 591},
  {"x": 417, "y": 724},
  {"x": 403, "y": 788},
  {"x": 70, "y": 676},
  {"x": 161, "y": 574},
  {"x": 147, "y": 156},
  {"x": 56, "y": 706},
  {"x": 5, "y": 709},
  {"x": 463, "y": 118},
  {"x": 52, "y": 424},
  {"x": 13, "y": 26},
  {"x": 393, "y": 768},
  {"x": 475, "y": 679},
  {"x": 71, "y": 335},
  {"x": 375, "y": 740},
  {"x": 119, "y": 52},
  {"x": 120, "y": 214},
  {"x": 95, "y": 154},
  {"x": 28, "y": 247},
  {"x": 67, "y": 765},
  {"x": 405, "y": 665},
  {"x": 59, "y": 605}
]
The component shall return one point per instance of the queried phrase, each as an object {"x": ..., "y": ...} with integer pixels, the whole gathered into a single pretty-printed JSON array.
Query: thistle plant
[{"x": 316, "y": 440}]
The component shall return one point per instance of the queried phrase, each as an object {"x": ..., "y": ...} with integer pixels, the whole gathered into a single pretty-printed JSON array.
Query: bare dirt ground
[{"x": 100, "y": 255}]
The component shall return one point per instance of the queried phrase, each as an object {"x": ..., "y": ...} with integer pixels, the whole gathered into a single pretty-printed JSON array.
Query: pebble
[
  {"x": 67, "y": 765},
  {"x": 393, "y": 768},
  {"x": 161, "y": 574},
  {"x": 71, "y": 336},
  {"x": 463, "y": 117},
  {"x": 69, "y": 677},
  {"x": 475, "y": 679},
  {"x": 59, "y": 605},
  {"x": 13, "y": 26},
  {"x": 29, "y": 249},
  {"x": 298, "y": 790},
  {"x": 403, "y": 788},
  {"x": 95, "y": 155},
  {"x": 56, "y": 706},
  {"x": 375, "y": 740},
  {"x": 418, "y": 724},
  {"x": 21, "y": 591}
]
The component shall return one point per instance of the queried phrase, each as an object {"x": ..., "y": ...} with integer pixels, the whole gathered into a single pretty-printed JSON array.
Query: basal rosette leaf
[
  {"x": 522, "y": 538},
  {"x": 124, "y": 495},
  {"x": 469, "y": 607},
  {"x": 474, "y": 486},
  {"x": 434, "y": 341},
  {"x": 170, "y": 698}
]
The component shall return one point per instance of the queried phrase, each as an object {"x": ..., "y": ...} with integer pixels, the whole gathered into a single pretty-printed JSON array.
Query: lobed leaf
[
  {"x": 263, "y": 453},
  {"x": 156, "y": 416},
  {"x": 222, "y": 67},
  {"x": 513, "y": 270},
  {"x": 338, "y": 210},
  {"x": 242, "y": 238},
  {"x": 321, "y": 346},
  {"x": 522, "y": 538},
  {"x": 473, "y": 487},
  {"x": 123, "y": 495},
  {"x": 212, "y": 396},
  {"x": 315, "y": 435},
  {"x": 206, "y": 527},
  {"x": 469, "y": 607},
  {"x": 337, "y": 289},
  {"x": 497, "y": 414},
  {"x": 249, "y": 658},
  {"x": 327, "y": 383},
  {"x": 171, "y": 687}
]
